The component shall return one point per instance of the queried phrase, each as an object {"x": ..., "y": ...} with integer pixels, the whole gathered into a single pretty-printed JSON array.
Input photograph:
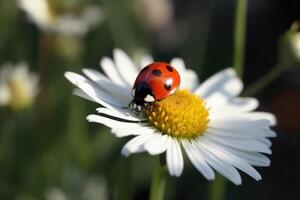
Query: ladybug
[{"x": 155, "y": 82}]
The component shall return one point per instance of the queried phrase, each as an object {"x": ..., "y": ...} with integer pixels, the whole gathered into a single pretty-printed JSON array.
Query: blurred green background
[{"x": 49, "y": 151}]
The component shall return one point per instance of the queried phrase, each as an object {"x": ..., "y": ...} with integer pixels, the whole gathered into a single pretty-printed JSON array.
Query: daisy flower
[
  {"x": 216, "y": 129},
  {"x": 71, "y": 23},
  {"x": 18, "y": 86}
]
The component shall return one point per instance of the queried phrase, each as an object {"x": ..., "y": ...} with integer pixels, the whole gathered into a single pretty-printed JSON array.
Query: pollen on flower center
[{"x": 180, "y": 115}]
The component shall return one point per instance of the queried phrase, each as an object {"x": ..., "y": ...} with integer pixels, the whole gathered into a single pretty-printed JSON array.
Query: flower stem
[
  {"x": 264, "y": 81},
  {"x": 239, "y": 36},
  {"x": 119, "y": 13},
  {"x": 217, "y": 188},
  {"x": 124, "y": 184},
  {"x": 158, "y": 182}
]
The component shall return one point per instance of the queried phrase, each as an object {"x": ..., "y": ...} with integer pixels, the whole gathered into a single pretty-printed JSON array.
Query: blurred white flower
[
  {"x": 55, "y": 194},
  {"x": 155, "y": 14},
  {"x": 4, "y": 94},
  {"x": 39, "y": 12},
  {"x": 95, "y": 189},
  {"x": 18, "y": 87},
  {"x": 216, "y": 128},
  {"x": 295, "y": 39},
  {"x": 289, "y": 47}
]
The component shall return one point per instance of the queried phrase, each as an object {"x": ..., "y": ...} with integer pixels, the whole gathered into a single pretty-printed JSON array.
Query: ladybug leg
[{"x": 130, "y": 105}]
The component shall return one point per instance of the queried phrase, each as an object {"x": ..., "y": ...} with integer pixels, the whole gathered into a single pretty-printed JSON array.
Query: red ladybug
[{"x": 154, "y": 83}]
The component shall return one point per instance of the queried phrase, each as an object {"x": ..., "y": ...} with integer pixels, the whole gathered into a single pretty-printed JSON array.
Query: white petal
[
  {"x": 111, "y": 71},
  {"x": 253, "y": 158},
  {"x": 74, "y": 77},
  {"x": 146, "y": 60},
  {"x": 226, "y": 156},
  {"x": 174, "y": 158},
  {"x": 265, "y": 141},
  {"x": 223, "y": 168},
  {"x": 235, "y": 105},
  {"x": 197, "y": 160},
  {"x": 94, "y": 75},
  {"x": 90, "y": 89},
  {"x": 243, "y": 134},
  {"x": 264, "y": 115},
  {"x": 117, "y": 114},
  {"x": 225, "y": 83},
  {"x": 102, "y": 97},
  {"x": 119, "y": 91},
  {"x": 190, "y": 80},
  {"x": 112, "y": 123},
  {"x": 247, "y": 145},
  {"x": 179, "y": 65},
  {"x": 127, "y": 131},
  {"x": 251, "y": 117},
  {"x": 239, "y": 124},
  {"x": 136, "y": 145},
  {"x": 157, "y": 144},
  {"x": 80, "y": 93},
  {"x": 126, "y": 68}
]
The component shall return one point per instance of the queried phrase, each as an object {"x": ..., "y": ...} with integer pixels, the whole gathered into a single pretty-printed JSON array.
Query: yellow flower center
[{"x": 180, "y": 115}]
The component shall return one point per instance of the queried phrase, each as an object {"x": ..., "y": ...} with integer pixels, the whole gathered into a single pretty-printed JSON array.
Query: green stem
[
  {"x": 217, "y": 188},
  {"x": 124, "y": 190},
  {"x": 239, "y": 36},
  {"x": 158, "y": 182},
  {"x": 124, "y": 36},
  {"x": 264, "y": 81}
]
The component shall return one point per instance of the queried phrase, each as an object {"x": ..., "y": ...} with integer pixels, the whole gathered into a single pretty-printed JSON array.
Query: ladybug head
[{"x": 142, "y": 94}]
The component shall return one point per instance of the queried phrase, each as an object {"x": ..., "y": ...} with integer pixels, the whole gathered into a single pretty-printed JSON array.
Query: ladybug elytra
[{"x": 155, "y": 82}]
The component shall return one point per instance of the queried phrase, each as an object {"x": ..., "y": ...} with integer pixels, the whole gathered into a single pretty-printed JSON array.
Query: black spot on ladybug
[
  {"x": 169, "y": 68},
  {"x": 167, "y": 86},
  {"x": 156, "y": 72},
  {"x": 145, "y": 68}
]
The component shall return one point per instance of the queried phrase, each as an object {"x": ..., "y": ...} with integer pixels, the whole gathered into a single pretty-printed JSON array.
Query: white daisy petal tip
[
  {"x": 121, "y": 56},
  {"x": 267, "y": 163},
  {"x": 68, "y": 75},
  {"x": 174, "y": 158},
  {"x": 229, "y": 71},
  {"x": 91, "y": 118},
  {"x": 238, "y": 183},
  {"x": 178, "y": 63},
  {"x": 125, "y": 152},
  {"x": 86, "y": 71},
  {"x": 236, "y": 83},
  {"x": 118, "y": 51},
  {"x": 273, "y": 119},
  {"x": 220, "y": 87},
  {"x": 272, "y": 134},
  {"x": 74, "y": 78},
  {"x": 157, "y": 144},
  {"x": 104, "y": 61}
]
